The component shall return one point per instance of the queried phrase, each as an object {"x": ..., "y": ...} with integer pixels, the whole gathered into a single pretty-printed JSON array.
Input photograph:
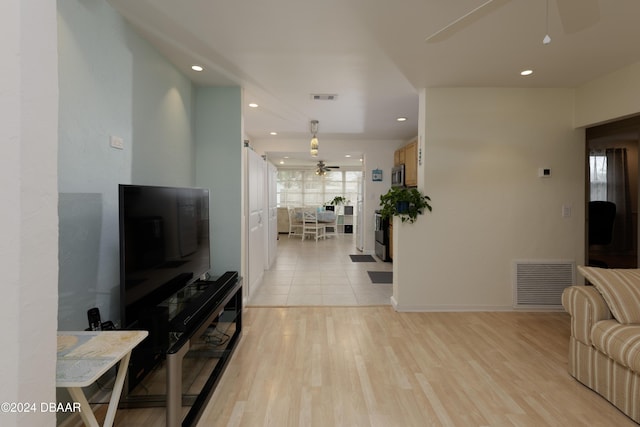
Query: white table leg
[
  {"x": 117, "y": 390},
  {"x": 86, "y": 413}
]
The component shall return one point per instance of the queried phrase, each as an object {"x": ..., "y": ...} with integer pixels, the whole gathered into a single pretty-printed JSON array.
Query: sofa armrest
[{"x": 586, "y": 307}]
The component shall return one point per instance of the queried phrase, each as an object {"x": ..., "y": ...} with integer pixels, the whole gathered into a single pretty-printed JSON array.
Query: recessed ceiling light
[
  {"x": 282, "y": 162},
  {"x": 253, "y": 105},
  {"x": 196, "y": 68},
  {"x": 526, "y": 72},
  {"x": 273, "y": 133},
  {"x": 360, "y": 159},
  {"x": 401, "y": 119},
  {"x": 286, "y": 157},
  {"x": 347, "y": 155}
]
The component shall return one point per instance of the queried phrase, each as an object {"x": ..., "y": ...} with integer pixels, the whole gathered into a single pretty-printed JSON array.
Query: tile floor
[{"x": 321, "y": 273}]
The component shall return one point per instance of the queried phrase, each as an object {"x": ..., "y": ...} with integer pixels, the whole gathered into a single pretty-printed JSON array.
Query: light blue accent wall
[
  {"x": 162, "y": 106},
  {"x": 112, "y": 82},
  {"x": 219, "y": 168}
]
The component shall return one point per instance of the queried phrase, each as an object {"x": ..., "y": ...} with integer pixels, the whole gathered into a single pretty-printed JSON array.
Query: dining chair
[
  {"x": 311, "y": 226},
  {"x": 295, "y": 221}
]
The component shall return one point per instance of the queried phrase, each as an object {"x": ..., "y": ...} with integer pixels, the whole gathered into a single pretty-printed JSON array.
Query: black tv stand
[
  {"x": 204, "y": 328},
  {"x": 197, "y": 307},
  {"x": 224, "y": 306}
]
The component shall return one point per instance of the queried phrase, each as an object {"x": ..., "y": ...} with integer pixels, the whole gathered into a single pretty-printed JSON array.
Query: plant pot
[{"x": 402, "y": 207}]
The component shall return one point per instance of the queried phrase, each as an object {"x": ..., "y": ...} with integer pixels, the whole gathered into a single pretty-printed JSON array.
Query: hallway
[{"x": 309, "y": 273}]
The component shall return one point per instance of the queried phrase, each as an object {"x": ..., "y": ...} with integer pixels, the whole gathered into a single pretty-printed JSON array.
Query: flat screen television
[{"x": 164, "y": 245}]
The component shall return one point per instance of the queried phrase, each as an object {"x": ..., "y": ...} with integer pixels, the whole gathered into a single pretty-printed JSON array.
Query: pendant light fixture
[{"x": 313, "y": 146}]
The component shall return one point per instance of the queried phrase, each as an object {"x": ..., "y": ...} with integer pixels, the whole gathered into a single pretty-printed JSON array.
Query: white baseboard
[{"x": 448, "y": 308}]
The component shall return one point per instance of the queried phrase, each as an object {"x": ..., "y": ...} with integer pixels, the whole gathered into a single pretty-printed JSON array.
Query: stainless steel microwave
[{"x": 397, "y": 176}]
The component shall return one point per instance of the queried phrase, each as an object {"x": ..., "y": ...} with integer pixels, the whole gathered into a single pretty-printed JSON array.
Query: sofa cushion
[
  {"x": 620, "y": 288},
  {"x": 619, "y": 342}
]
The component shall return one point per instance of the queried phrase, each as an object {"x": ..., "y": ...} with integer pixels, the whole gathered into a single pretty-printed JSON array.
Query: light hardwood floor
[
  {"x": 364, "y": 365},
  {"x": 371, "y": 366}
]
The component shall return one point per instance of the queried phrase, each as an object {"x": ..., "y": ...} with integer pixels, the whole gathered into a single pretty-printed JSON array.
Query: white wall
[
  {"x": 613, "y": 96},
  {"x": 377, "y": 154},
  {"x": 29, "y": 221},
  {"x": 483, "y": 148}
]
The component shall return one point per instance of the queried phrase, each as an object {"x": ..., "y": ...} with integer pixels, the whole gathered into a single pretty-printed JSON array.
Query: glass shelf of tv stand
[
  {"x": 181, "y": 299},
  {"x": 195, "y": 359},
  {"x": 204, "y": 353}
]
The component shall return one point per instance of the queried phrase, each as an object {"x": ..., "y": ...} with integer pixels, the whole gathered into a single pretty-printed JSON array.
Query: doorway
[{"x": 612, "y": 194}]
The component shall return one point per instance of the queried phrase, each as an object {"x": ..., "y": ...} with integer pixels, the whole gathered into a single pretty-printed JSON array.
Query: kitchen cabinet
[
  {"x": 408, "y": 156},
  {"x": 411, "y": 164},
  {"x": 398, "y": 157}
]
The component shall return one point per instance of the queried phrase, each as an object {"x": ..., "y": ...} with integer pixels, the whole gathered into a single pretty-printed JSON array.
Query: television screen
[{"x": 164, "y": 244}]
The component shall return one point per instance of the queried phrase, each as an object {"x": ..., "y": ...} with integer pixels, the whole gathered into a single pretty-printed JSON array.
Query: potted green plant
[
  {"x": 337, "y": 201},
  {"x": 405, "y": 203}
]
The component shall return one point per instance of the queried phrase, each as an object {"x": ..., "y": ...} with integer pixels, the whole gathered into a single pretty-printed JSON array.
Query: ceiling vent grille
[
  {"x": 539, "y": 284},
  {"x": 324, "y": 96}
]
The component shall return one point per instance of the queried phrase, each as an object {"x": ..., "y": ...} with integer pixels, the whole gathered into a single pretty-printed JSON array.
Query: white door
[
  {"x": 272, "y": 236},
  {"x": 256, "y": 218}
]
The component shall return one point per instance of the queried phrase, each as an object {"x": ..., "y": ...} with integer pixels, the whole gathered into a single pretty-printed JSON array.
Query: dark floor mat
[
  {"x": 381, "y": 276},
  {"x": 362, "y": 258}
]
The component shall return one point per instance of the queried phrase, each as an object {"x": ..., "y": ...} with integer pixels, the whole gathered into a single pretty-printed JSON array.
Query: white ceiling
[{"x": 374, "y": 56}]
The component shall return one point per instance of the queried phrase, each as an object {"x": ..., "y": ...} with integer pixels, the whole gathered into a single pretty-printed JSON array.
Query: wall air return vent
[
  {"x": 324, "y": 96},
  {"x": 539, "y": 284}
]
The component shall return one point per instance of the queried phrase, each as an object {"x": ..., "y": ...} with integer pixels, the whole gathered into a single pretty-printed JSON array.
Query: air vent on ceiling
[{"x": 324, "y": 96}]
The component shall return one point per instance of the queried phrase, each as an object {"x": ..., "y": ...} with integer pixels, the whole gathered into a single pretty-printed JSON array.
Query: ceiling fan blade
[
  {"x": 466, "y": 20},
  {"x": 578, "y": 15}
]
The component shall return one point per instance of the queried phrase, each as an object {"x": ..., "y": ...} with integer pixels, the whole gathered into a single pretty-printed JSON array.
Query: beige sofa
[{"x": 604, "y": 349}]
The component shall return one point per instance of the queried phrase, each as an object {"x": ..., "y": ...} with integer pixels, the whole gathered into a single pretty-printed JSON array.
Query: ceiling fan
[
  {"x": 576, "y": 15},
  {"x": 322, "y": 168}
]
